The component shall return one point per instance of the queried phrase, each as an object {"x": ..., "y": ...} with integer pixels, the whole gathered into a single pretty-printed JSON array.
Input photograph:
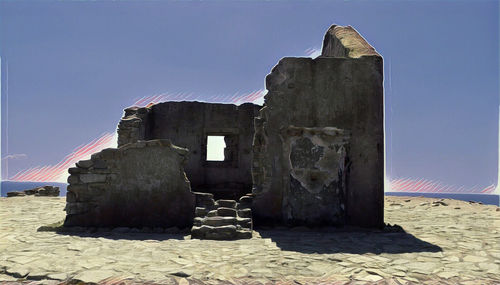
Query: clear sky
[{"x": 72, "y": 66}]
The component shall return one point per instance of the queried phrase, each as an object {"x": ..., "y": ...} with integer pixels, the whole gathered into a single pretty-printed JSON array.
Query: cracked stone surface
[{"x": 445, "y": 242}]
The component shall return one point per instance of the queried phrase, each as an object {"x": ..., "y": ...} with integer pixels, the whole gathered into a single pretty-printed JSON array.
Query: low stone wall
[
  {"x": 140, "y": 184},
  {"x": 37, "y": 191}
]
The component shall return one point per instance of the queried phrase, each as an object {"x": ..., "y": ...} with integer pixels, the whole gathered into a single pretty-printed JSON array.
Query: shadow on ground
[
  {"x": 347, "y": 240},
  {"x": 126, "y": 236},
  {"x": 158, "y": 234},
  {"x": 391, "y": 239}
]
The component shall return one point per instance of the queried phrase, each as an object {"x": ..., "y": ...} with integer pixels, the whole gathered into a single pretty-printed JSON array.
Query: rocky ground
[{"x": 443, "y": 242}]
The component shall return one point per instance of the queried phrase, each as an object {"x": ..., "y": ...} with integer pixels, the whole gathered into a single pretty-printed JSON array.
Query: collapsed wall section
[
  {"x": 139, "y": 184},
  {"x": 341, "y": 90},
  {"x": 188, "y": 124}
]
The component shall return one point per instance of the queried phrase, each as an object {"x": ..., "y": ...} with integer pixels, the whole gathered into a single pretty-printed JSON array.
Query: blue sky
[{"x": 74, "y": 65}]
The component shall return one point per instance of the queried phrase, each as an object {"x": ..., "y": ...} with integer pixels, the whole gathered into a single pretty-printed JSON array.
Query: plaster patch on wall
[{"x": 317, "y": 156}]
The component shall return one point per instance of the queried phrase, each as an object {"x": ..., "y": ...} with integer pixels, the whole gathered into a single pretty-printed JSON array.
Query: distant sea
[
  {"x": 8, "y": 186},
  {"x": 487, "y": 199}
]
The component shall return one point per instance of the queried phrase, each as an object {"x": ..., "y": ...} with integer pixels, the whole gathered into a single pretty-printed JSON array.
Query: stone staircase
[{"x": 222, "y": 219}]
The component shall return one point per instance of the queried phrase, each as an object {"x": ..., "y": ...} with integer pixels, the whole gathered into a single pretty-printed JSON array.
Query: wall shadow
[
  {"x": 347, "y": 240},
  {"x": 126, "y": 236}
]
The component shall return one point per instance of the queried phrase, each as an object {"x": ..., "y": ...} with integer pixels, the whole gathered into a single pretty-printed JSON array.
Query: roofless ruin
[{"x": 312, "y": 155}]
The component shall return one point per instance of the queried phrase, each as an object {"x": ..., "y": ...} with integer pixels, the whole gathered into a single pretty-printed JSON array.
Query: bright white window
[{"x": 215, "y": 148}]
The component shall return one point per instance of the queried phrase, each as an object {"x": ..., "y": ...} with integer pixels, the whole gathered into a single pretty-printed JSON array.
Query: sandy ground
[{"x": 443, "y": 242}]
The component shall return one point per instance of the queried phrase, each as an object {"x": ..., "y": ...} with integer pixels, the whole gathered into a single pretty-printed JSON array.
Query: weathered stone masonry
[
  {"x": 187, "y": 124},
  {"x": 138, "y": 184},
  {"x": 313, "y": 155},
  {"x": 307, "y": 98}
]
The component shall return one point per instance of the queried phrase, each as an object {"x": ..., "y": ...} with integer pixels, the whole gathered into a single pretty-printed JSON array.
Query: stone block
[
  {"x": 99, "y": 164},
  {"x": 75, "y": 170},
  {"x": 227, "y": 203},
  {"x": 199, "y": 231},
  {"x": 226, "y": 212},
  {"x": 243, "y": 234},
  {"x": 200, "y": 211},
  {"x": 31, "y": 191},
  {"x": 205, "y": 200},
  {"x": 73, "y": 179},
  {"x": 84, "y": 163},
  {"x": 77, "y": 188},
  {"x": 92, "y": 178},
  {"x": 246, "y": 201},
  {"x": 245, "y": 222},
  {"x": 222, "y": 233},
  {"x": 245, "y": 213},
  {"x": 108, "y": 154},
  {"x": 219, "y": 221},
  {"x": 47, "y": 191},
  {"x": 15, "y": 194},
  {"x": 198, "y": 221},
  {"x": 70, "y": 197}
]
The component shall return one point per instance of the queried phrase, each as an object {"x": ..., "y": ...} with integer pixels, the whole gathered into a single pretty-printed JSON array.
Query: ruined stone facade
[
  {"x": 330, "y": 111},
  {"x": 313, "y": 155},
  {"x": 188, "y": 124}
]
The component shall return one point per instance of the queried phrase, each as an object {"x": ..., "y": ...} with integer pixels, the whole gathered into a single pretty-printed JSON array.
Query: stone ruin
[
  {"x": 47, "y": 190},
  {"x": 312, "y": 155}
]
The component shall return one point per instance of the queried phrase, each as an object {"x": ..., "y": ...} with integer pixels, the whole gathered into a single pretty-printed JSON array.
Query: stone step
[
  {"x": 203, "y": 195},
  {"x": 205, "y": 200},
  {"x": 243, "y": 234},
  {"x": 245, "y": 213},
  {"x": 226, "y": 212},
  {"x": 246, "y": 201},
  {"x": 226, "y": 203},
  {"x": 244, "y": 222},
  {"x": 200, "y": 212},
  {"x": 222, "y": 219},
  {"x": 227, "y": 232},
  {"x": 198, "y": 221},
  {"x": 218, "y": 221}
]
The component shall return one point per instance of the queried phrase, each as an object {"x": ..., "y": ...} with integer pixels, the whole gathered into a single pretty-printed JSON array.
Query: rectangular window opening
[{"x": 215, "y": 148}]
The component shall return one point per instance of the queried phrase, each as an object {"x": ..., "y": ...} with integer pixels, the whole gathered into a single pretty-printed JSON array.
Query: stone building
[{"x": 312, "y": 155}]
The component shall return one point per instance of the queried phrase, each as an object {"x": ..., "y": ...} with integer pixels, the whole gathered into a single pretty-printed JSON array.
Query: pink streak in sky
[
  {"x": 55, "y": 172},
  {"x": 429, "y": 186}
]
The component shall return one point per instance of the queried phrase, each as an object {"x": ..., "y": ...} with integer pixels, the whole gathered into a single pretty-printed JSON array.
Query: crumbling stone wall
[
  {"x": 138, "y": 184},
  {"x": 322, "y": 112},
  {"x": 187, "y": 124},
  {"x": 132, "y": 126}
]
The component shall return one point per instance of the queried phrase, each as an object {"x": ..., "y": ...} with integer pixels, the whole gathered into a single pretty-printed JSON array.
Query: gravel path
[{"x": 443, "y": 242}]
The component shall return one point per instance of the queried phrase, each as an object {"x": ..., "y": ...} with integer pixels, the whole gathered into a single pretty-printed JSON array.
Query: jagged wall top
[{"x": 342, "y": 41}]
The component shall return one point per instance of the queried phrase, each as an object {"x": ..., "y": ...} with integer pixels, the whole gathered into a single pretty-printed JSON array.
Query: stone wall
[
  {"x": 132, "y": 126},
  {"x": 187, "y": 124},
  {"x": 139, "y": 184},
  {"x": 335, "y": 104}
]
